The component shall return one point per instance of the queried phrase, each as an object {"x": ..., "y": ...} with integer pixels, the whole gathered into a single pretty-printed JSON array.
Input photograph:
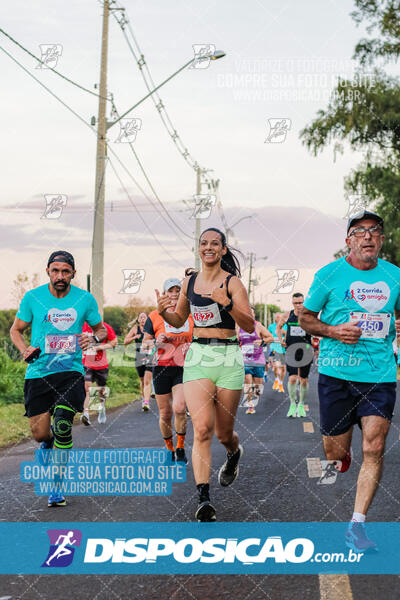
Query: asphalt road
[{"x": 274, "y": 485}]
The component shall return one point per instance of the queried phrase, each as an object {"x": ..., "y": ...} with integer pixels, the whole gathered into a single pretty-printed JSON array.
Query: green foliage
[
  {"x": 365, "y": 113},
  {"x": 6, "y": 320},
  {"x": 117, "y": 317},
  {"x": 123, "y": 379},
  {"x": 12, "y": 375}
]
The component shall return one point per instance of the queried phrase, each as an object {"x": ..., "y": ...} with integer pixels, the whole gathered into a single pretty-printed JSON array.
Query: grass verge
[{"x": 14, "y": 427}]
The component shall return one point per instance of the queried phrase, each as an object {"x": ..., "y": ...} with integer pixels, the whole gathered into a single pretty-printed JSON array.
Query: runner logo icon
[{"x": 62, "y": 547}]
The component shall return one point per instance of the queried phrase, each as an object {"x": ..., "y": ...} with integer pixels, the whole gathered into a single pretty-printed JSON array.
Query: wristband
[{"x": 229, "y": 306}]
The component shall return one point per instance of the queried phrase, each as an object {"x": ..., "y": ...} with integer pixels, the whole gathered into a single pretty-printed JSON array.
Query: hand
[
  {"x": 346, "y": 333},
  {"x": 162, "y": 339},
  {"x": 163, "y": 302},
  {"x": 283, "y": 343},
  {"x": 85, "y": 340},
  {"x": 219, "y": 294},
  {"x": 28, "y": 351},
  {"x": 258, "y": 342},
  {"x": 397, "y": 325}
]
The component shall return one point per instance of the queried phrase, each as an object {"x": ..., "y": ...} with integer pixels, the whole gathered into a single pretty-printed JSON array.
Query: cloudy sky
[{"x": 282, "y": 59}]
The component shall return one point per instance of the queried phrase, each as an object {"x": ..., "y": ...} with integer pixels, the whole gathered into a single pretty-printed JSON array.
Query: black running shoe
[
  {"x": 180, "y": 455},
  {"x": 230, "y": 469},
  {"x": 205, "y": 512}
]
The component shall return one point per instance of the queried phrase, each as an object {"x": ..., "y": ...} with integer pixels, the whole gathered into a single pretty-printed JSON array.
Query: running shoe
[
  {"x": 145, "y": 406},
  {"x": 250, "y": 410},
  {"x": 276, "y": 385},
  {"x": 205, "y": 512},
  {"x": 102, "y": 418},
  {"x": 281, "y": 388},
  {"x": 56, "y": 499},
  {"x": 356, "y": 538},
  {"x": 230, "y": 469},
  {"x": 292, "y": 410},
  {"x": 343, "y": 465},
  {"x": 48, "y": 445},
  {"x": 180, "y": 455},
  {"x": 301, "y": 411},
  {"x": 85, "y": 419}
]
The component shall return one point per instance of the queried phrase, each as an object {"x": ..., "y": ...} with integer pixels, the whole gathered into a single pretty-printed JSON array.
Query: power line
[
  {"x": 73, "y": 112},
  {"x": 149, "y": 82},
  {"x": 46, "y": 88},
  {"x": 50, "y": 68},
  {"x": 150, "y": 183},
  {"x": 140, "y": 216}
]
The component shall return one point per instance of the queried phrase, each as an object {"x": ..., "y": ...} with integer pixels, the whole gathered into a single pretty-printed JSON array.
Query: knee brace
[{"x": 62, "y": 425}]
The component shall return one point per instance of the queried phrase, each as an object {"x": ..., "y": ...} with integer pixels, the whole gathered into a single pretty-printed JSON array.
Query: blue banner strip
[{"x": 194, "y": 548}]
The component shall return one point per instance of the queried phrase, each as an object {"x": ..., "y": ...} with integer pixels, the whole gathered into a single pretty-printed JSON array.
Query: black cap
[
  {"x": 61, "y": 256},
  {"x": 364, "y": 214}
]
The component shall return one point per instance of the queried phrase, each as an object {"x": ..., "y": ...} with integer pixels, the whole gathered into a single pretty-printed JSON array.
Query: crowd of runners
[{"x": 206, "y": 356}]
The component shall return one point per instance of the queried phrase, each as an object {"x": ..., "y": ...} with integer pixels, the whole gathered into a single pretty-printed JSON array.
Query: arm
[
  {"x": 241, "y": 310},
  {"x": 17, "y": 338},
  {"x": 108, "y": 345},
  {"x": 86, "y": 339},
  {"x": 264, "y": 334},
  {"x": 131, "y": 335},
  {"x": 345, "y": 332},
  {"x": 182, "y": 311},
  {"x": 279, "y": 329}
]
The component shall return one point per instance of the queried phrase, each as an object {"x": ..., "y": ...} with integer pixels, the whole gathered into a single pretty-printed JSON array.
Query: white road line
[{"x": 335, "y": 587}]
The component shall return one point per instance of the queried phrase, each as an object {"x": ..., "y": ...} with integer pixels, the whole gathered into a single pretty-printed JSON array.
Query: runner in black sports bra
[{"x": 213, "y": 374}]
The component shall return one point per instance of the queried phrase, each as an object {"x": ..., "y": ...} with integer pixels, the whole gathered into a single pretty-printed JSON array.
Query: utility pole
[
  {"x": 197, "y": 223},
  {"x": 251, "y": 257},
  {"x": 101, "y": 157}
]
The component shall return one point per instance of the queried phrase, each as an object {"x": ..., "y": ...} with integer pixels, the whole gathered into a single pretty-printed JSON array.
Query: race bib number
[
  {"x": 60, "y": 344},
  {"x": 183, "y": 329},
  {"x": 297, "y": 331},
  {"x": 373, "y": 325},
  {"x": 248, "y": 349},
  {"x": 204, "y": 316}
]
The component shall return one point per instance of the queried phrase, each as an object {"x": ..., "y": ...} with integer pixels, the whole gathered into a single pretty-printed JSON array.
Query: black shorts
[
  {"x": 304, "y": 370},
  {"x": 299, "y": 357},
  {"x": 44, "y": 393},
  {"x": 342, "y": 403},
  {"x": 164, "y": 378},
  {"x": 98, "y": 376}
]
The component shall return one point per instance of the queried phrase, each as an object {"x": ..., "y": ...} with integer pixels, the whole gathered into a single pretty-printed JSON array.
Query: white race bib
[
  {"x": 297, "y": 331},
  {"x": 373, "y": 325},
  {"x": 204, "y": 316},
  {"x": 183, "y": 329},
  {"x": 248, "y": 349},
  {"x": 60, "y": 344}
]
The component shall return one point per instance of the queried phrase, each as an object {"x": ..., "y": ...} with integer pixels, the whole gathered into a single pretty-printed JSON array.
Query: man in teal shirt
[
  {"x": 356, "y": 297},
  {"x": 54, "y": 383}
]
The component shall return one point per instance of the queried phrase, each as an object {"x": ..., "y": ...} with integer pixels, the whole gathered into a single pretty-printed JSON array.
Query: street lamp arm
[
  {"x": 215, "y": 56},
  {"x": 151, "y": 92}
]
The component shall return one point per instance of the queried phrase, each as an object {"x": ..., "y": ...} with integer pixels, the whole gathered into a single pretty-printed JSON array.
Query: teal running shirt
[
  {"x": 368, "y": 299},
  {"x": 56, "y": 324}
]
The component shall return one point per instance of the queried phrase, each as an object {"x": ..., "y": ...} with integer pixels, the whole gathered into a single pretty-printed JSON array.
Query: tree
[
  {"x": 117, "y": 317},
  {"x": 21, "y": 284},
  {"x": 365, "y": 113}
]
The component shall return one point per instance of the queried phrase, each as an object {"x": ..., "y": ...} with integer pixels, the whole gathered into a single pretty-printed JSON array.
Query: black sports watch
[
  {"x": 229, "y": 306},
  {"x": 96, "y": 339}
]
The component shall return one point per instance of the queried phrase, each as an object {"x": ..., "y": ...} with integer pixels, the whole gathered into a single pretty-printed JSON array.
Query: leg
[
  {"x": 179, "y": 408},
  {"x": 225, "y": 413},
  {"x": 147, "y": 386},
  {"x": 164, "y": 403},
  {"x": 40, "y": 427},
  {"x": 258, "y": 389},
  {"x": 248, "y": 391},
  {"x": 374, "y": 432},
  {"x": 87, "y": 397},
  {"x": 199, "y": 396},
  {"x": 292, "y": 389},
  {"x": 337, "y": 446}
]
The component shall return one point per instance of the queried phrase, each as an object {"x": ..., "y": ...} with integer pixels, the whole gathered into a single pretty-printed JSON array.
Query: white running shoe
[{"x": 102, "y": 418}]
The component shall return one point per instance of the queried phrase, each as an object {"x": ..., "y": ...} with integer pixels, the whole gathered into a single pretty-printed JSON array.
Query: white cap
[{"x": 171, "y": 282}]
